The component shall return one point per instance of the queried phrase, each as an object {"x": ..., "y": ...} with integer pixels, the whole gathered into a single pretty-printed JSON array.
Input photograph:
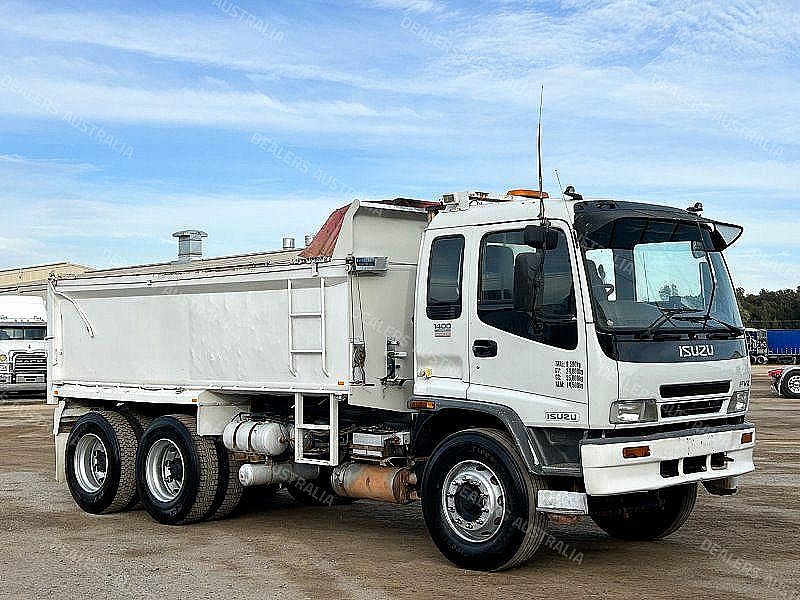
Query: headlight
[
  {"x": 633, "y": 411},
  {"x": 739, "y": 402},
  {"x": 3, "y": 358}
]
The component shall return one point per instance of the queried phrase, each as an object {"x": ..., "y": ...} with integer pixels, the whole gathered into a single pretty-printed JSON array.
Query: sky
[{"x": 122, "y": 122}]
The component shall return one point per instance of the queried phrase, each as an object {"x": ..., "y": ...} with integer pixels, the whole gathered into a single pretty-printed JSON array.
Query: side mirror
[{"x": 541, "y": 238}]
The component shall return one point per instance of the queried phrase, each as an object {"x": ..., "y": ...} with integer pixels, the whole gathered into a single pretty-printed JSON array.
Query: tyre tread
[
  {"x": 537, "y": 522},
  {"x": 231, "y": 491},
  {"x": 127, "y": 442},
  {"x": 208, "y": 476}
]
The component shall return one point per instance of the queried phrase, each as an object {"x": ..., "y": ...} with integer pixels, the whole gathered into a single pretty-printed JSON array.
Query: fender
[{"x": 521, "y": 435}]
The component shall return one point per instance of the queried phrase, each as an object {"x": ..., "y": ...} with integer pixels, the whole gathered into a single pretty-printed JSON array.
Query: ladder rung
[
  {"x": 305, "y": 351},
  {"x": 306, "y": 315},
  {"x": 314, "y": 427}
]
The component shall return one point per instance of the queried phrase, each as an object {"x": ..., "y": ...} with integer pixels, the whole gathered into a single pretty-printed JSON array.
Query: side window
[
  {"x": 527, "y": 292},
  {"x": 444, "y": 277}
]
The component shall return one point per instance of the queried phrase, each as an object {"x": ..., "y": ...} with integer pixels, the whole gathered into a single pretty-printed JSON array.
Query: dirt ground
[{"x": 744, "y": 546}]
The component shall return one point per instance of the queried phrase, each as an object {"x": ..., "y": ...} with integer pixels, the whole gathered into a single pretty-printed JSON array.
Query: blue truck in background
[
  {"x": 773, "y": 345},
  {"x": 778, "y": 346}
]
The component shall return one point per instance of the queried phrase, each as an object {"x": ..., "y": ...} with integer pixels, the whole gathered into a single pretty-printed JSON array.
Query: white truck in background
[
  {"x": 23, "y": 349},
  {"x": 501, "y": 358}
]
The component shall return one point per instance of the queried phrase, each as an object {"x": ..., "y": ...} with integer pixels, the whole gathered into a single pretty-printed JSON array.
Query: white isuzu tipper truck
[
  {"x": 500, "y": 358},
  {"x": 23, "y": 358}
]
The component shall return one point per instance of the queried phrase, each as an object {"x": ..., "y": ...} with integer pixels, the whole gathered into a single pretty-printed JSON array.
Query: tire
[
  {"x": 484, "y": 464},
  {"x": 229, "y": 490},
  {"x": 790, "y": 384},
  {"x": 644, "y": 516},
  {"x": 317, "y": 492},
  {"x": 139, "y": 421},
  {"x": 100, "y": 461},
  {"x": 177, "y": 471}
]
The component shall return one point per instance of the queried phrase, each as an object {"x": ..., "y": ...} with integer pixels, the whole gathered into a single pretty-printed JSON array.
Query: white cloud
[
  {"x": 420, "y": 6},
  {"x": 50, "y": 98}
]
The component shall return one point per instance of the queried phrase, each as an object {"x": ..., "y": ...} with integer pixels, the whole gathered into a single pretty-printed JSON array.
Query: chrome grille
[{"x": 30, "y": 362}]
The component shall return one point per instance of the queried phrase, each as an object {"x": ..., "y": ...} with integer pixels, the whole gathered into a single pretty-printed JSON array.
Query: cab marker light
[
  {"x": 417, "y": 404},
  {"x": 636, "y": 452},
  {"x": 747, "y": 437}
]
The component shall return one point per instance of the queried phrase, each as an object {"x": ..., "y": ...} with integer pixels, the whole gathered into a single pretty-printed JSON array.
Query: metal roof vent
[
  {"x": 309, "y": 239},
  {"x": 190, "y": 244},
  {"x": 288, "y": 243}
]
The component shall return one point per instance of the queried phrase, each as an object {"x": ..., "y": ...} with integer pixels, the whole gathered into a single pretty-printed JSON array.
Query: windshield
[
  {"x": 650, "y": 272},
  {"x": 22, "y": 333}
]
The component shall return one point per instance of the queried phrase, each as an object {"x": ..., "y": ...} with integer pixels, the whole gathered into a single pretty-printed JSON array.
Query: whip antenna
[{"x": 539, "y": 155}]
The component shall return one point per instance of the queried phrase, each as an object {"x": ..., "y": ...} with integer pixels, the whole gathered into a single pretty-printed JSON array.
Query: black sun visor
[{"x": 622, "y": 225}]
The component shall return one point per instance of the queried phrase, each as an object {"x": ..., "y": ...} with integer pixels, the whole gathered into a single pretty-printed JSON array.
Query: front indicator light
[
  {"x": 633, "y": 411},
  {"x": 636, "y": 452},
  {"x": 747, "y": 437},
  {"x": 739, "y": 402}
]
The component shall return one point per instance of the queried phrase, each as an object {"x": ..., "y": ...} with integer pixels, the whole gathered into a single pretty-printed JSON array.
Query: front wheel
[
  {"x": 479, "y": 502},
  {"x": 644, "y": 516}
]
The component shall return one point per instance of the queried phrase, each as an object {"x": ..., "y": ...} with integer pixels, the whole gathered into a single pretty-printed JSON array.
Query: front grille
[
  {"x": 707, "y": 388},
  {"x": 685, "y": 409},
  {"x": 30, "y": 363}
]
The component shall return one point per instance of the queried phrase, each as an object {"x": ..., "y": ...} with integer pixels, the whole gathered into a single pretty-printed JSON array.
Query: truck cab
[
  {"x": 606, "y": 335},
  {"x": 23, "y": 349}
]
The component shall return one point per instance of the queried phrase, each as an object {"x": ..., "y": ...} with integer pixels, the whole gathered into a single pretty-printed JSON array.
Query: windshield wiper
[
  {"x": 704, "y": 319},
  {"x": 667, "y": 314}
]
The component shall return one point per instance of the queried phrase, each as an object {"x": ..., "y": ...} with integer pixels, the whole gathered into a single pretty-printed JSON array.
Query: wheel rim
[
  {"x": 91, "y": 463},
  {"x": 164, "y": 470},
  {"x": 474, "y": 501},
  {"x": 793, "y": 383}
]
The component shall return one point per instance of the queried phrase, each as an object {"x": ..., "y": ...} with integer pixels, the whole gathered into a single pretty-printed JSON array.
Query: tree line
[{"x": 778, "y": 309}]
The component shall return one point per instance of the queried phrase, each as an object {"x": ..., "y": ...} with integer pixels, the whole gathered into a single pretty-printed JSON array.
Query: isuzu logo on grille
[{"x": 705, "y": 350}]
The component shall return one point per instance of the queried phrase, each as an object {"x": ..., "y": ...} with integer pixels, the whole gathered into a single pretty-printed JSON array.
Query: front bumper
[{"x": 715, "y": 453}]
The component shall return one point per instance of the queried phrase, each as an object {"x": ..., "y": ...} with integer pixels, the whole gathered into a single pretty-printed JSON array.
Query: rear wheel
[
  {"x": 644, "y": 516},
  {"x": 100, "y": 460},
  {"x": 479, "y": 502},
  {"x": 790, "y": 386},
  {"x": 230, "y": 491},
  {"x": 177, "y": 471}
]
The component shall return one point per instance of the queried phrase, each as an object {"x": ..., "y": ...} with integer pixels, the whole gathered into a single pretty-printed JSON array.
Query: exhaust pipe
[
  {"x": 373, "y": 482},
  {"x": 262, "y": 474}
]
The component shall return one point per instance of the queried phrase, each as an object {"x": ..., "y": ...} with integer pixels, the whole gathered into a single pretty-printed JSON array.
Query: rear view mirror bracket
[{"x": 541, "y": 238}]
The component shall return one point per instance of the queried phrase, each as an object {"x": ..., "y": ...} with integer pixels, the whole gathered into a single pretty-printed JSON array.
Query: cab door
[
  {"x": 441, "y": 363},
  {"x": 527, "y": 346}
]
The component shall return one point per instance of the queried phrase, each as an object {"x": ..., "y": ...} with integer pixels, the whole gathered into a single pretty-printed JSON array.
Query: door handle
[{"x": 484, "y": 348}]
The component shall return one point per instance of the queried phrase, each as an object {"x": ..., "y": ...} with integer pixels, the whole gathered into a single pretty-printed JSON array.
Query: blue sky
[{"x": 123, "y": 122}]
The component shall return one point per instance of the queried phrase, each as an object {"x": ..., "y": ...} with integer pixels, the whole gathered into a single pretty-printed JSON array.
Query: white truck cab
[
  {"x": 500, "y": 358},
  {"x": 23, "y": 349},
  {"x": 625, "y": 328}
]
